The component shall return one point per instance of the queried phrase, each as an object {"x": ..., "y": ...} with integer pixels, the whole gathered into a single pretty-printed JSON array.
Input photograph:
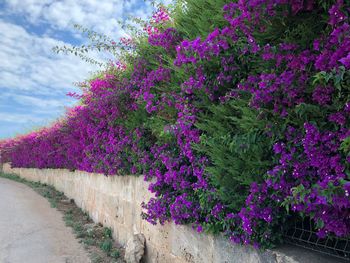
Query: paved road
[{"x": 33, "y": 232}]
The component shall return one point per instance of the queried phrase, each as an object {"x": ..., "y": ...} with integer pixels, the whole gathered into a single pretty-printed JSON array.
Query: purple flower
[
  {"x": 338, "y": 118},
  {"x": 346, "y": 61}
]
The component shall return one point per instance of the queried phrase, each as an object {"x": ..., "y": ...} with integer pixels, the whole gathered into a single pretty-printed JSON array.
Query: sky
[{"x": 34, "y": 80}]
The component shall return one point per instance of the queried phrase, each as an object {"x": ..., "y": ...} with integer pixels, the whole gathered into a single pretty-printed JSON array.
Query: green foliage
[
  {"x": 197, "y": 18},
  {"x": 238, "y": 149},
  {"x": 339, "y": 79},
  {"x": 345, "y": 145},
  {"x": 114, "y": 253},
  {"x": 107, "y": 232},
  {"x": 106, "y": 245},
  {"x": 300, "y": 30}
]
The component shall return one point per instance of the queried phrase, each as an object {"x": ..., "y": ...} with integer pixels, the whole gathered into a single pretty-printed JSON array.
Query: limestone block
[
  {"x": 135, "y": 248},
  {"x": 226, "y": 252},
  {"x": 191, "y": 246}
]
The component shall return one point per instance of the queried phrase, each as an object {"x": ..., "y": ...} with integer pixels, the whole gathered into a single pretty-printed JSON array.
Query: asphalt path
[{"x": 33, "y": 232}]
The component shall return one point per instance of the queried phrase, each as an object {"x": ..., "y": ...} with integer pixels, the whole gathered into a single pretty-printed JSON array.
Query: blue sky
[{"x": 34, "y": 81}]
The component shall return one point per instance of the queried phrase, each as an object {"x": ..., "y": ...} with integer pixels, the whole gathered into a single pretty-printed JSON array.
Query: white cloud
[
  {"x": 48, "y": 104},
  {"x": 101, "y": 15},
  {"x": 20, "y": 118},
  {"x": 33, "y": 80},
  {"x": 28, "y": 62}
]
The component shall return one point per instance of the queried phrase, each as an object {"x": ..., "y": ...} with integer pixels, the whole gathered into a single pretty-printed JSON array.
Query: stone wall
[{"x": 115, "y": 202}]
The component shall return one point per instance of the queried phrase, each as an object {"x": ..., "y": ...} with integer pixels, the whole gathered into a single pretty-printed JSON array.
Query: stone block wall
[{"x": 116, "y": 202}]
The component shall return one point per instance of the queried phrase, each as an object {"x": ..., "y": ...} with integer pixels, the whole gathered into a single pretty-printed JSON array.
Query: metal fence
[{"x": 301, "y": 232}]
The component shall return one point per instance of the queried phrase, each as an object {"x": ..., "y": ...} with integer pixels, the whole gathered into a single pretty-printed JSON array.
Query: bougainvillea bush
[{"x": 236, "y": 112}]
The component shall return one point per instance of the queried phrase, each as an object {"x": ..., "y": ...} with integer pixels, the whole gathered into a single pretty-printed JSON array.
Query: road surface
[{"x": 33, "y": 232}]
